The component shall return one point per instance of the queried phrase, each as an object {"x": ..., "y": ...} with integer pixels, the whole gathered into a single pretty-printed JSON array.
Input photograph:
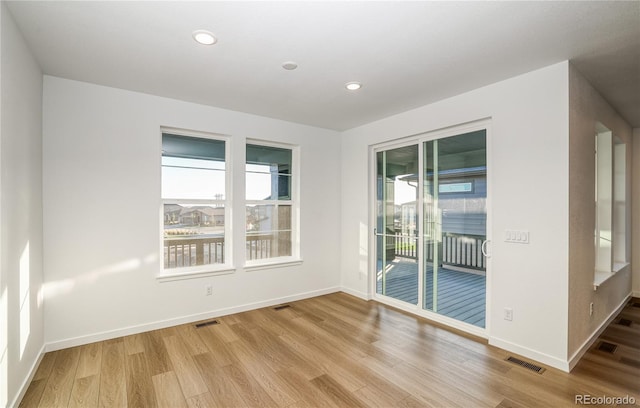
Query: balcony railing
[
  {"x": 463, "y": 250},
  {"x": 458, "y": 250},
  {"x": 191, "y": 251},
  {"x": 260, "y": 246},
  {"x": 405, "y": 245}
]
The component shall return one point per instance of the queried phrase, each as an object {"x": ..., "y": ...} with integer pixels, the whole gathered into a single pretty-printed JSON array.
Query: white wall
[
  {"x": 21, "y": 309},
  {"x": 528, "y": 176},
  {"x": 635, "y": 213},
  {"x": 587, "y": 108},
  {"x": 102, "y": 203}
]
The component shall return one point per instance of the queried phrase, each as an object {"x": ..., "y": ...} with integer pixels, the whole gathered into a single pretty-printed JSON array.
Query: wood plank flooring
[{"x": 329, "y": 351}]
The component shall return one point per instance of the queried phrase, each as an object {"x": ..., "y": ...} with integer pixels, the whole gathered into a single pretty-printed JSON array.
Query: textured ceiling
[{"x": 406, "y": 54}]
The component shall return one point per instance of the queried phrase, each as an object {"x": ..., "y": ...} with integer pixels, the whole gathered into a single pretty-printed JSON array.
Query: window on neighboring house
[
  {"x": 194, "y": 196},
  {"x": 270, "y": 203}
]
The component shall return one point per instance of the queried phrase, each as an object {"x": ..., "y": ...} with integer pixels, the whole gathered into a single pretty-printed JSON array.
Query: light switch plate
[{"x": 516, "y": 236}]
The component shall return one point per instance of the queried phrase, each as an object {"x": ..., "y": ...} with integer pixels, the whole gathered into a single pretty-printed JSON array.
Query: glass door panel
[
  {"x": 397, "y": 223},
  {"x": 454, "y": 226}
]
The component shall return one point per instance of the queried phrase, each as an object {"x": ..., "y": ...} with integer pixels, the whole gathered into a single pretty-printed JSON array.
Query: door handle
[{"x": 484, "y": 248}]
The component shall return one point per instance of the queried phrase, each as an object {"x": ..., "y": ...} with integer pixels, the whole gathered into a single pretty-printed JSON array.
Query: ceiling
[{"x": 406, "y": 54}]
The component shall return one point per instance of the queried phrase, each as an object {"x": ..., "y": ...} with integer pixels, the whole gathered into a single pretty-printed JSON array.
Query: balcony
[{"x": 460, "y": 282}]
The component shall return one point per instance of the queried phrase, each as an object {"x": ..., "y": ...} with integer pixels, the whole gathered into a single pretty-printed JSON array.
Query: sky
[{"x": 204, "y": 179}]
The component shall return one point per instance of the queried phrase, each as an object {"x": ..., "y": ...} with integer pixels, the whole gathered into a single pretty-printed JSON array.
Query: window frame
[
  {"x": 294, "y": 201},
  {"x": 611, "y": 201},
  {"x": 197, "y": 271}
]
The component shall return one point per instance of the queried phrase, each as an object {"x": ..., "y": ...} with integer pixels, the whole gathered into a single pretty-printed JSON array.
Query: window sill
[
  {"x": 272, "y": 263},
  {"x": 618, "y": 266},
  {"x": 601, "y": 277},
  {"x": 193, "y": 273}
]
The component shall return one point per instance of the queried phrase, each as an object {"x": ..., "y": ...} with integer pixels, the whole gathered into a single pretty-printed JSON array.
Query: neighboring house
[
  {"x": 175, "y": 214},
  {"x": 202, "y": 215},
  {"x": 172, "y": 213}
]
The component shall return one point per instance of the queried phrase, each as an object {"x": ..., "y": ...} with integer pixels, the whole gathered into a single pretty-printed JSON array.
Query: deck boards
[{"x": 460, "y": 295}]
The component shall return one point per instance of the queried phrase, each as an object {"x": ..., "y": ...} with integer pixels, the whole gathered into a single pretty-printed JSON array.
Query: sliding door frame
[
  {"x": 374, "y": 150},
  {"x": 420, "y": 139}
]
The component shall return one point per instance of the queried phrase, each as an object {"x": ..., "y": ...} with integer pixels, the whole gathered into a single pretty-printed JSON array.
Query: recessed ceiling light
[
  {"x": 204, "y": 37},
  {"x": 353, "y": 86},
  {"x": 289, "y": 65}
]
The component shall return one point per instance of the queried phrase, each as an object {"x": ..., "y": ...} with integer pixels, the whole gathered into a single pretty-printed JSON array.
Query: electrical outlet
[
  {"x": 208, "y": 290},
  {"x": 591, "y": 309},
  {"x": 508, "y": 313}
]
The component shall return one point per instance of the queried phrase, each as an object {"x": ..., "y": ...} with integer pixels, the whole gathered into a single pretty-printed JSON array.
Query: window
[
  {"x": 270, "y": 203},
  {"x": 194, "y": 196},
  {"x": 463, "y": 187},
  {"x": 619, "y": 205},
  {"x": 611, "y": 205}
]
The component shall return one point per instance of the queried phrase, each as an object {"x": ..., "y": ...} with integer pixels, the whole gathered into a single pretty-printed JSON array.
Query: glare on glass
[
  {"x": 268, "y": 231},
  {"x": 192, "y": 179},
  {"x": 268, "y": 217},
  {"x": 263, "y": 182}
]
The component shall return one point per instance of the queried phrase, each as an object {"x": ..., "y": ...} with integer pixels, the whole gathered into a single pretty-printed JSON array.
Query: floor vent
[
  {"x": 281, "y": 307},
  {"x": 625, "y": 322},
  {"x": 607, "y": 347},
  {"x": 209, "y": 323},
  {"x": 528, "y": 366}
]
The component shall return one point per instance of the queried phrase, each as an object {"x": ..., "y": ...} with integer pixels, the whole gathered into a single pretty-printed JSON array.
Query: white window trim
[
  {"x": 616, "y": 258},
  {"x": 194, "y": 272},
  {"x": 200, "y": 271},
  {"x": 270, "y": 263},
  {"x": 295, "y": 258}
]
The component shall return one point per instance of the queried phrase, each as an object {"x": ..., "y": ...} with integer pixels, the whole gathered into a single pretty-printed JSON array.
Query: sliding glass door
[
  {"x": 396, "y": 230},
  {"x": 431, "y": 218},
  {"x": 455, "y": 225}
]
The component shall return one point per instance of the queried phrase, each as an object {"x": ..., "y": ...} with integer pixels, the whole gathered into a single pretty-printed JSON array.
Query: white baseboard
[
  {"x": 356, "y": 293},
  {"x": 635, "y": 294},
  {"x": 111, "y": 334},
  {"x": 25, "y": 384},
  {"x": 529, "y": 353},
  {"x": 592, "y": 339}
]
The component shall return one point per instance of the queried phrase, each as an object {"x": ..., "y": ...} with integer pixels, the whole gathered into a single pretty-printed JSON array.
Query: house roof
[{"x": 210, "y": 211}]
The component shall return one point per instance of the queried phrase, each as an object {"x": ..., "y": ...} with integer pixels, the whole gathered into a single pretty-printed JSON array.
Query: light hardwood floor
[{"x": 329, "y": 351}]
